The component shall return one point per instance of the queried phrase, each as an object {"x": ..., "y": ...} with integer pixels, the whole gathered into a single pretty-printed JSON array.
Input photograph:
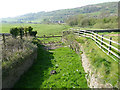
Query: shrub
[
  {"x": 33, "y": 33},
  {"x": 14, "y": 32},
  {"x": 102, "y": 23},
  {"x": 21, "y": 30},
  {"x": 30, "y": 29},
  {"x": 16, "y": 48},
  {"x": 26, "y": 30}
]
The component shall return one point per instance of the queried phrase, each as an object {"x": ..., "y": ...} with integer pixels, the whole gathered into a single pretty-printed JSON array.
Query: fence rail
[
  {"x": 48, "y": 36},
  {"x": 99, "y": 41}
]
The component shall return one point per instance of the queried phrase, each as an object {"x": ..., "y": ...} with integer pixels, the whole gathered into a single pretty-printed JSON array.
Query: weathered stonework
[{"x": 15, "y": 73}]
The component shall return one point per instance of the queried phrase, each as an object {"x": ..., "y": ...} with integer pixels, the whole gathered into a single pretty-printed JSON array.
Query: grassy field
[
  {"x": 115, "y": 38},
  {"x": 66, "y": 62},
  {"x": 43, "y": 29},
  {"x": 87, "y": 28},
  {"x": 47, "y": 40}
]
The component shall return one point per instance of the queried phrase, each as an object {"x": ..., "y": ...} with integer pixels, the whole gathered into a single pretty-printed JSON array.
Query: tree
[
  {"x": 72, "y": 21},
  {"x": 21, "y": 30},
  {"x": 85, "y": 22},
  {"x": 33, "y": 33},
  {"x": 30, "y": 29},
  {"x": 26, "y": 31},
  {"x": 14, "y": 32}
]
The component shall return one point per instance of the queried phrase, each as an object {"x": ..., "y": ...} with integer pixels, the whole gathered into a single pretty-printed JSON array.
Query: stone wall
[{"x": 15, "y": 73}]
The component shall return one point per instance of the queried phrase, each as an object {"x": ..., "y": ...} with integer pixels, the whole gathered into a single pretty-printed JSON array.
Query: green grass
[
  {"x": 104, "y": 33},
  {"x": 100, "y": 61},
  {"x": 47, "y": 40},
  {"x": 43, "y": 29},
  {"x": 70, "y": 73},
  {"x": 114, "y": 38}
]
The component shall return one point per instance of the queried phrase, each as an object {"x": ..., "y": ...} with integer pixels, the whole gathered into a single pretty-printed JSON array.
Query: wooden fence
[
  {"x": 3, "y": 37},
  {"x": 100, "y": 41},
  {"x": 48, "y": 36}
]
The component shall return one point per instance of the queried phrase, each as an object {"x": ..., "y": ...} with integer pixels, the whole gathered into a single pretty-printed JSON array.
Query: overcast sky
[{"x": 12, "y": 8}]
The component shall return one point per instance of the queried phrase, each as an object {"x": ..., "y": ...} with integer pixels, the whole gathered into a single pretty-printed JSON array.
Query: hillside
[{"x": 96, "y": 10}]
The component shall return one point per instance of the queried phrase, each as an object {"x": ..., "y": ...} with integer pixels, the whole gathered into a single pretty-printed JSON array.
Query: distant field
[
  {"x": 47, "y": 40},
  {"x": 43, "y": 29},
  {"x": 87, "y": 28}
]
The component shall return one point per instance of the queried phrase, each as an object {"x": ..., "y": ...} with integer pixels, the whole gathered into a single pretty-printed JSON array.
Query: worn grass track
[{"x": 66, "y": 62}]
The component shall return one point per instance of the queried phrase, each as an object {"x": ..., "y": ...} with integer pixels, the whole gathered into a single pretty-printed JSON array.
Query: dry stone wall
[{"x": 15, "y": 73}]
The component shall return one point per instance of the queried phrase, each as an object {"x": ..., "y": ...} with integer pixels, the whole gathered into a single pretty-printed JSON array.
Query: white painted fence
[{"x": 99, "y": 41}]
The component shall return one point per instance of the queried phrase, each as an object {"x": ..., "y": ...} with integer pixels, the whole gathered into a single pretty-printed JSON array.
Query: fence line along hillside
[
  {"x": 3, "y": 37},
  {"x": 48, "y": 36},
  {"x": 108, "y": 46}
]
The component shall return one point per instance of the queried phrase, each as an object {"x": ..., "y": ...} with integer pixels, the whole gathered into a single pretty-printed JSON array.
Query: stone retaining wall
[{"x": 15, "y": 73}]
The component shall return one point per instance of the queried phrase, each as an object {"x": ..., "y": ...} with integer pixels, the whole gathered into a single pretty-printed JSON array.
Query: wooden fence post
[
  {"x": 3, "y": 37},
  {"x": 92, "y": 35},
  {"x": 84, "y": 33},
  {"x": 44, "y": 39},
  {"x": 109, "y": 45},
  {"x": 96, "y": 38},
  {"x": 101, "y": 41}
]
